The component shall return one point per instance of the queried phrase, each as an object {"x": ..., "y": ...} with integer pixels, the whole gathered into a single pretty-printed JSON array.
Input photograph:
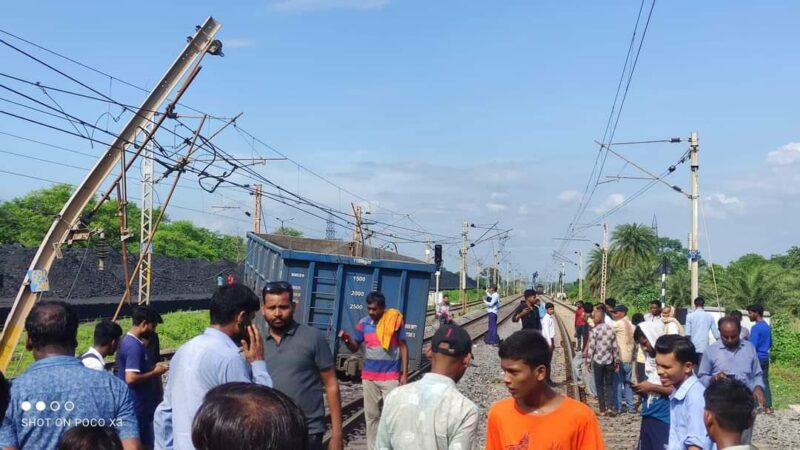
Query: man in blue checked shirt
[{"x": 57, "y": 392}]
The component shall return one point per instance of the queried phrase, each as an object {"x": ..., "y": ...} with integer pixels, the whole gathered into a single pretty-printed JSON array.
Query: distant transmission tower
[{"x": 330, "y": 231}]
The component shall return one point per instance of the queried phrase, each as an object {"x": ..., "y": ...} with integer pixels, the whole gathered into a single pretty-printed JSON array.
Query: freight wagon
[{"x": 330, "y": 287}]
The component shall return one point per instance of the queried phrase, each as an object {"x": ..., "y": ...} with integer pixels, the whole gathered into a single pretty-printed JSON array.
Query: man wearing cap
[
  {"x": 431, "y": 413},
  {"x": 623, "y": 329}
]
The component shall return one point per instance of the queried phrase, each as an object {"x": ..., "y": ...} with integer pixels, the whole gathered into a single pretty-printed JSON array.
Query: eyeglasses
[{"x": 277, "y": 286}]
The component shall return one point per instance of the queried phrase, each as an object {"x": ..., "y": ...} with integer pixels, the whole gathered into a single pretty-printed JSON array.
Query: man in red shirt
[{"x": 580, "y": 326}]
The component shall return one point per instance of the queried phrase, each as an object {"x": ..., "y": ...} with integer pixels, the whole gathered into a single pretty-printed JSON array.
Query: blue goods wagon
[{"x": 330, "y": 286}]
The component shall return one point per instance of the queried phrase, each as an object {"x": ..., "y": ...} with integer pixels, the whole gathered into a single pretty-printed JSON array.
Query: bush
[{"x": 785, "y": 341}]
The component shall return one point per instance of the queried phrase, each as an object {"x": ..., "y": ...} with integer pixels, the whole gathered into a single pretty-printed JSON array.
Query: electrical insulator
[{"x": 101, "y": 252}]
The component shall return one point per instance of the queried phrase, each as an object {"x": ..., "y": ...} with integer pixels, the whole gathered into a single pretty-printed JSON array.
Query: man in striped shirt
[{"x": 385, "y": 366}]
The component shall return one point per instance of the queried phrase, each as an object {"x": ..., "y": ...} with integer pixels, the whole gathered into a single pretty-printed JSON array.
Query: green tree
[
  {"x": 744, "y": 283},
  {"x": 632, "y": 243},
  {"x": 634, "y": 284},
  {"x": 679, "y": 288},
  {"x": 288, "y": 231},
  {"x": 25, "y": 220}
]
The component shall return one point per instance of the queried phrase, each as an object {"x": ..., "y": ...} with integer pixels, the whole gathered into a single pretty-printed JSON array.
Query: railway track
[
  {"x": 431, "y": 312},
  {"x": 353, "y": 410}
]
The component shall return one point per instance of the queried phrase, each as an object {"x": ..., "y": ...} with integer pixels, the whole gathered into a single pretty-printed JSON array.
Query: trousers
[
  {"x": 374, "y": 394},
  {"x": 491, "y": 335},
  {"x": 603, "y": 380},
  {"x": 767, "y": 391},
  {"x": 622, "y": 387}
]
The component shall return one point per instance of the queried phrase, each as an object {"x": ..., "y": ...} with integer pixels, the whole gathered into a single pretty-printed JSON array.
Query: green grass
[
  {"x": 178, "y": 327},
  {"x": 785, "y": 384}
]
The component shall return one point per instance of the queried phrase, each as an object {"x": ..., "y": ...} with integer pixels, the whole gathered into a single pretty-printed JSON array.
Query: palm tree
[
  {"x": 630, "y": 282},
  {"x": 763, "y": 284},
  {"x": 632, "y": 243},
  {"x": 679, "y": 289}
]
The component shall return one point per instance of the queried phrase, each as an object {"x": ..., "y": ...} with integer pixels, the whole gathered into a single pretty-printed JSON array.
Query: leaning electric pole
[{"x": 694, "y": 255}]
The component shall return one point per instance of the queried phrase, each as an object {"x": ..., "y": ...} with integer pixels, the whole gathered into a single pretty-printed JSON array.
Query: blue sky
[{"x": 452, "y": 111}]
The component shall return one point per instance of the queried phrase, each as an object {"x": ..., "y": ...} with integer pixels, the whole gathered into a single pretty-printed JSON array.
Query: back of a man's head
[
  {"x": 731, "y": 405},
  {"x": 245, "y": 416},
  {"x": 699, "y": 302},
  {"x": 229, "y": 300},
  {"x": 54, "y": 324},
  {"x": 90, "y": 438}
]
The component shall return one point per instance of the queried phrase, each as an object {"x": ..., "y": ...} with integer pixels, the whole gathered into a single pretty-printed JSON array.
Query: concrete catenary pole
[
  {"x": 694, "y": 255},
  {"x": 580, "y": 274},
  {"x": 604, "y": 266},
  {"x": 464, "y": 251},
  {"x": 257, "y": 218}
]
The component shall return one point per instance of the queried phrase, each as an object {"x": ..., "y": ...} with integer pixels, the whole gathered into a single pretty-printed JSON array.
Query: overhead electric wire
[
  {"x": 110, "y": 101},
  {"x": 610, "y": 132}
]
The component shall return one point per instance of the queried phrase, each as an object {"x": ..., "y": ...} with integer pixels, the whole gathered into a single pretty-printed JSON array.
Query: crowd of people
[
  {"x": 248, "y": 383},
  {"x": 680, "y": 376}
]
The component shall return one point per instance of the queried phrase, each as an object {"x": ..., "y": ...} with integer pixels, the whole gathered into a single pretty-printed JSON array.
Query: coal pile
[{"x": 76, "y": 276}]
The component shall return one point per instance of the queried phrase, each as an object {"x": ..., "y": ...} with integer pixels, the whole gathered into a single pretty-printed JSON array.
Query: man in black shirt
[{"x": 528, "y": 312}]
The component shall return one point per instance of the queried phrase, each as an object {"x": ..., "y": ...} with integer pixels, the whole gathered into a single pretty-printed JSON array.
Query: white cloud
[
  {"x": 611, "y": 201},
  {"x": 238, "y": 43},
  {"x": 718, "y": 205},
  {"x": 567, "y": 196},
  {"x": 496, "y": 207},
  {"x": 523, "y": 210},
  {"x": 317, "y": 5},
  {"x": 787, "y": 155},
  {"x": 499, "y": 195}
]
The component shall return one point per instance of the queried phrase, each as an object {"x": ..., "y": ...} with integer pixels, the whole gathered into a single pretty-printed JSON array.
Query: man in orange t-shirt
[{"x": 536, "y": 417}]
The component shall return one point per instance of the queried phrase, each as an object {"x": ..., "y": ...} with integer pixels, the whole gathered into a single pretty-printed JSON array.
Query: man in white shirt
[
  {"x": 431, "y": 414},
  {"x": 549, "y": 333},
  {"x": 107, "y": 336}
]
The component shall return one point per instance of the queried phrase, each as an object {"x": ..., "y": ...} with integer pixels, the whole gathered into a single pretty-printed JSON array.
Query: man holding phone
[
  {"x": 209, "y": 360},
  {"x": 733, "y": 358}
]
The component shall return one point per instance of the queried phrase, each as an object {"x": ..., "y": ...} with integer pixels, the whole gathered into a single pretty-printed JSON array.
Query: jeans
[
  {"x": 767, "y": 391},
  {"x": 315, "y": 442},
  {"x": 603, "y": 377},
  {"x": 580, "y": 336},
  {"x": 374, "y": 394},
  {"x": 491, "y": 335},
  {"x": 653, "y": 434},
  {"x": 622, "y": 387}
]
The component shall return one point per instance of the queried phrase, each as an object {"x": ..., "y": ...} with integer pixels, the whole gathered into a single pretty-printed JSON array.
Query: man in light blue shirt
[
  {"x": 731, "y": 357},
  {"x": 698, "y": 324},
  {"x": 209, "y": 360},
  {"x": 492, "y": 303},
  {"x": 675, "y": 359}
]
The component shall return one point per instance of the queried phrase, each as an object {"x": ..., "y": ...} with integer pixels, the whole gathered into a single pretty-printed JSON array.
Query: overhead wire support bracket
[{"x": 70, "y": 214}]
